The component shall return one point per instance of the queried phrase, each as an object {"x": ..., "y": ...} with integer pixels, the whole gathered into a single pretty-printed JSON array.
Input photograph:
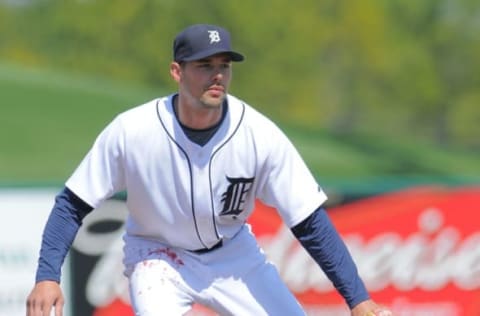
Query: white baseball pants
[{"x": 235, "y": 279}]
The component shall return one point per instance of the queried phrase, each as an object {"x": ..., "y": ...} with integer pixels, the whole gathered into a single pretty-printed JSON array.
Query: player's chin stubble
[{"x": 212, "y": 102}]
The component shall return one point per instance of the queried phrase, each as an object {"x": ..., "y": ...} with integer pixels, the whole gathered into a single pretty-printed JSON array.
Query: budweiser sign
[{"x": 417, "y": 250}]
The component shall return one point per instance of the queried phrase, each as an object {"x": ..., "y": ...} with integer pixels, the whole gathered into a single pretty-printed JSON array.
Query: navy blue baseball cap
[{"x": 202, "y": 40}]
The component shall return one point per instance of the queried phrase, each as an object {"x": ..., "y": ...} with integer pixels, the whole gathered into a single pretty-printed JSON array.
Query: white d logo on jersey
[{"x": 214, "y": 36}]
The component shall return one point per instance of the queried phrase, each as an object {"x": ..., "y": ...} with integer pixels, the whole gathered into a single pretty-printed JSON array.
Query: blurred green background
[{"x": 376, "y": 94}]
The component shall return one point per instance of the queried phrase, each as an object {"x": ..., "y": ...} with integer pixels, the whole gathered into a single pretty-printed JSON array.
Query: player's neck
[{"x": 196, "y": 117}]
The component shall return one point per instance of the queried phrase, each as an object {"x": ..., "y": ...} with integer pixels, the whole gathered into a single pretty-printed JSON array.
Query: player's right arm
[{"x": 60, "y": 231}]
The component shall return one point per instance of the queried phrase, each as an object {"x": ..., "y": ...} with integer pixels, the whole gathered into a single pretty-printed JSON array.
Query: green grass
[
  {"x": 49, "y": 120},
  {"x": 365, "y": 164}
]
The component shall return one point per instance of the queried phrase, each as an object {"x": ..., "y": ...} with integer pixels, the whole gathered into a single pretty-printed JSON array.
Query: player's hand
[
  {"x": 370, "y": 308},
  {"x": 45, "y": 296}
]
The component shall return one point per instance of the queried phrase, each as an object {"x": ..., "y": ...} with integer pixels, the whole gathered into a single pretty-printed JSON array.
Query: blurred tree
[
  {"x": 398, "y": 68},
  {"x": 444, "y": 35}
]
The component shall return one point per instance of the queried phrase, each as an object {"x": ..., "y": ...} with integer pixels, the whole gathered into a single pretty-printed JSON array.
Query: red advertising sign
[{"x": 417, "y": 250}]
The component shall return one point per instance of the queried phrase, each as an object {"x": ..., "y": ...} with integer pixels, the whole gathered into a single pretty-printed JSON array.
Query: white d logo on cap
[{"x": 214, "y": 36}]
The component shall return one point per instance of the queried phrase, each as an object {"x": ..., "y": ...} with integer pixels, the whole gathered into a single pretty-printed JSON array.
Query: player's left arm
[{"x": 319, "y": 237}]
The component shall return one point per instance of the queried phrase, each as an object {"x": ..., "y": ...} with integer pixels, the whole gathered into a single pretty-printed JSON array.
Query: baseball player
[{"x": 193, "y": 163}]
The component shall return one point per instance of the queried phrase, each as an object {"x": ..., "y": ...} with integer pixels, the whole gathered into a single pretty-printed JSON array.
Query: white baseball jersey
[{"x": 191, "y": 196}]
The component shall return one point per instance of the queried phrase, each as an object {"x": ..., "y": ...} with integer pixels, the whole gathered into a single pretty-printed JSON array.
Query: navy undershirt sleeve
[
  {"x": 321, "y": 240},
  {"x": 60, "y": 230}
]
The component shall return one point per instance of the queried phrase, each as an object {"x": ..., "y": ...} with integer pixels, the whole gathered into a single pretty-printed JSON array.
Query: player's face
[{"x": 205, "y": 82}]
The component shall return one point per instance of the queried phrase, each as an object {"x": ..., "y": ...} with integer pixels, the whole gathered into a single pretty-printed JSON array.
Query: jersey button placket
[{"x": 202, "y": 198}]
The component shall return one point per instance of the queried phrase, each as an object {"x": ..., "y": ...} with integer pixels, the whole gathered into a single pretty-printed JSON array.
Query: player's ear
[{"x": 176, "y": 71}]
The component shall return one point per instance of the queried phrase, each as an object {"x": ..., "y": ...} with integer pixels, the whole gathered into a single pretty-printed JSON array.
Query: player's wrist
[{"x": 379, "y": 312}]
